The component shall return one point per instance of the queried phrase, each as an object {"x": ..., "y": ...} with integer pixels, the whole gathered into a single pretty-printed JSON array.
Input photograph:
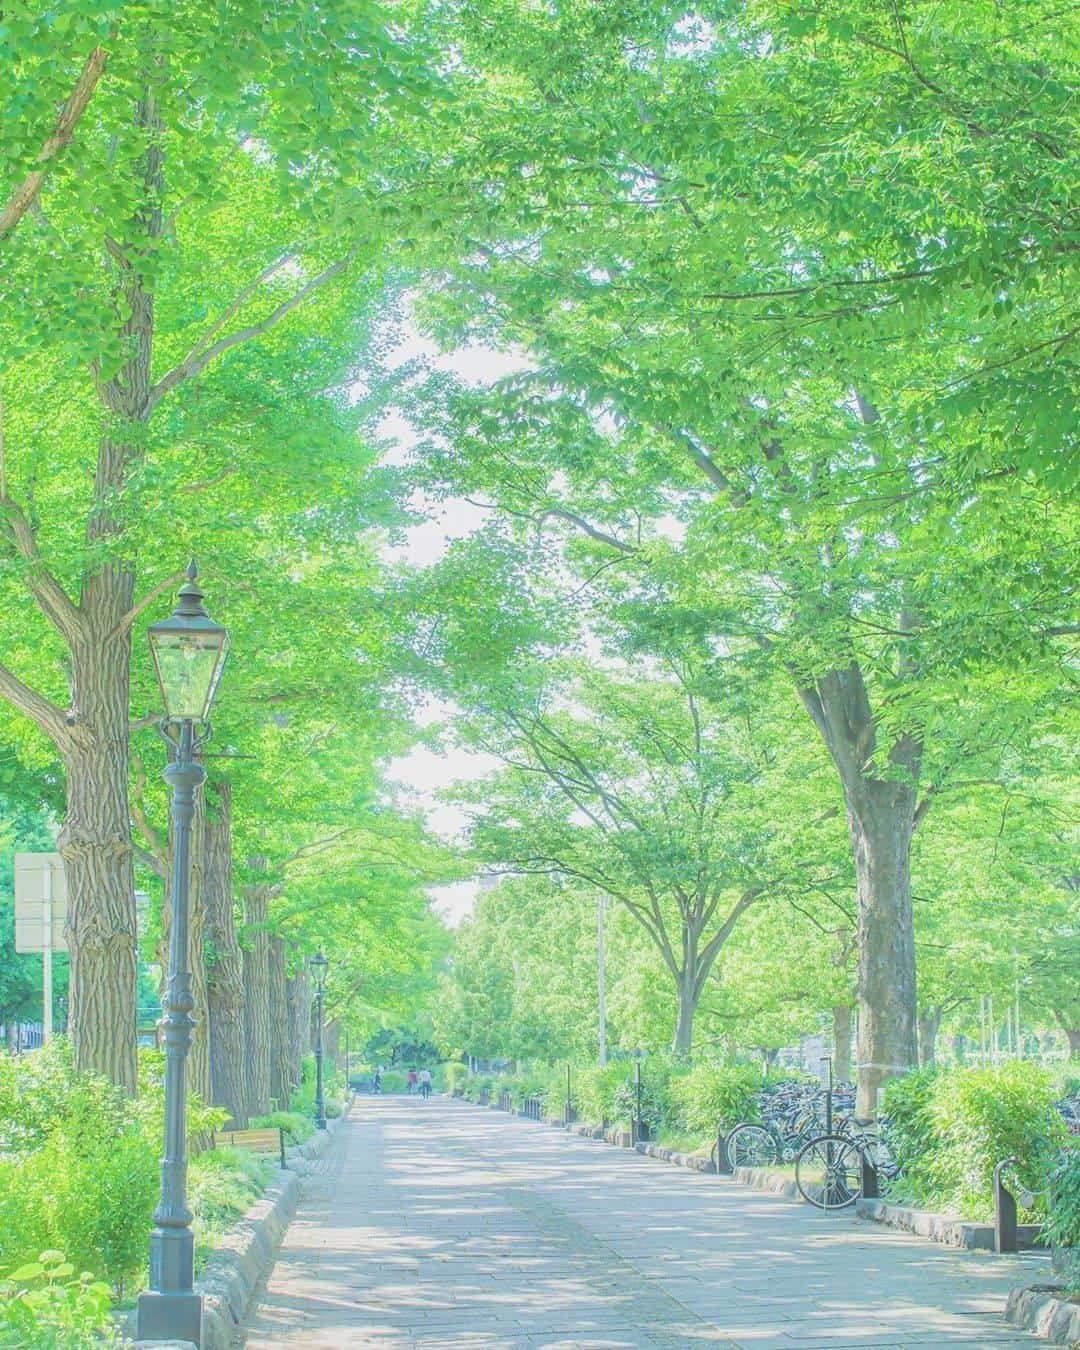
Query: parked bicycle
[
  {"x": 791, "y": 1115},
  {"x": 829, "y": 1168}
]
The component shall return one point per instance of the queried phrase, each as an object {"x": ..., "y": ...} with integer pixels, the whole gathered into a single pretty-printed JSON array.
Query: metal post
[
  {"x": 320, "y": 1102},
  {"x": 569, "y": 1100},
  {"x": 602, "y": 977},
  {"x": 46, "y": 956},
  {"x": 170, "y": 1309},
  {"x": 1006, "y": 1222},
  {"x": 346, "y": 1061},
  {"x": 635, "y": 1132},
  {"x": 828, "y": 1096}
]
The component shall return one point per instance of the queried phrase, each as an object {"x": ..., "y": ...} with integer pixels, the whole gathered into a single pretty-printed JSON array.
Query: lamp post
[
  {"x": 319, "y": 964},
  {"x": 189, "y": 651}
]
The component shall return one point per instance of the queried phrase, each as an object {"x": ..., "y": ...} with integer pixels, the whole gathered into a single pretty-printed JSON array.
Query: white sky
[{"x": 422, "y": 773}]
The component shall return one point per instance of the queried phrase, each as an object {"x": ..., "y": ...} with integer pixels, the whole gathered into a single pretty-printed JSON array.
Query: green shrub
[
  {"x": 479, "y": 1085},
  {"x": 712, "y": 1095},
  {"x": 957, "y": 1126},
  {"x": 1062, "y": 1227},
  {"x": 297, "y": 1126},
  {"x": 44, "y": 1305},
  {"x": 594, "y": 1092},
  {"x": 223, "y": 1184},
  {"x": 393, "y": 1080},
  {"x": 451, "y": 1077}
]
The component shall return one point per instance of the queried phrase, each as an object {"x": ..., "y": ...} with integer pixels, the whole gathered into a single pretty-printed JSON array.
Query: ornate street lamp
[
  {"x": 189, "y": 651},
  {"x": 319, "y": 964}
]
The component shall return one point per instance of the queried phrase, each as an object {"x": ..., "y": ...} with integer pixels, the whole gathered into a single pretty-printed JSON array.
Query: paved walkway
[{"x": 440, "y": 1224}]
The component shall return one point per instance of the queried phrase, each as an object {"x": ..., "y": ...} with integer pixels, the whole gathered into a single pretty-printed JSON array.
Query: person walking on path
[
  {"x": 425, "y": 1083},
  {"x": 412, "y": 1081}
]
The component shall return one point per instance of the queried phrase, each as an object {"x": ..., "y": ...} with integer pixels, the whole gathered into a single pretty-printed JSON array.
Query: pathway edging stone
[
  {"x": 1045, "y": 1310},
  {"x": 248, "y": 1250},
  {"x": 940, "y": 1227}
]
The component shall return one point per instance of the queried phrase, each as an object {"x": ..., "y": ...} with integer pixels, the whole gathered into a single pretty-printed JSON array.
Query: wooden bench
[{"x": 270, "y": 1139}]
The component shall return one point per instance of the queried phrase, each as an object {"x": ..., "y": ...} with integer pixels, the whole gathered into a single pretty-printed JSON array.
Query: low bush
[
  {"x": 223, "y": 1184},
  {"x": 712, "y": 1095},
  {"x": 297, "y": 1126},
  {"x": 479, "y": 1085},
  {"x": 1062, "y": 1227},
  {"x": 957, "y": 1126},
  {"x": 84, "y": 1178},
  {"x": 594, "y": 1092},
  {"x": 393, "y": 1080},
  {"x": 451, "y": 1077},
  {"x": 44, "y": 1305}
]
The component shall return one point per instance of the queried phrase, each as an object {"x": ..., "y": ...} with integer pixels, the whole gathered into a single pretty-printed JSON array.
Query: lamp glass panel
[{"x": 189, "y": 667}]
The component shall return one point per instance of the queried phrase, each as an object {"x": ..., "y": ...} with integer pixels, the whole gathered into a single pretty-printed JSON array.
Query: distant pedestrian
[
  {"x": 412, "y": 1081},
  {"x": 376, "y": 1082},
  {"x": 425, "y": 1083}
]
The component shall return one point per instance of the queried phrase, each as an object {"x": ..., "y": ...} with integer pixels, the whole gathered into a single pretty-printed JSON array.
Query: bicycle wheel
[
  {"x": 828, "y": 1172},
  {"x": 751, "y": 1146}
]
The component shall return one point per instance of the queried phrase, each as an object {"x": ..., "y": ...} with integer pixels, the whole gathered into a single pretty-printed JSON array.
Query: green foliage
[
  {"x": 297, "y": 1126},
  {"x": 712, "y": 1095},
  {"x": 1062, "y": 1225},
  {"x": 393, "y": 1080},
  {"x": 81, "y": 1172},
  {"x": 223, "y": 1183},
  {"x": 450, "y": 1077},
  {"x": 963, "y": 1123},
  {"x": 44, "y": 1305},
  {"x": 595, "y": 1092}
]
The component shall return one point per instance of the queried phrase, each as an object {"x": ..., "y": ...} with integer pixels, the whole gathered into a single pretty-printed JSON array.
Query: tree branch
[
  {"x": 41, "y": 711},
  {"x": 198, "y": 360},
  {"x": 27, "y": 192}
]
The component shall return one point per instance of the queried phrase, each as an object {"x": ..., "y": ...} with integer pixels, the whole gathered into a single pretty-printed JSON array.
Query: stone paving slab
[{"x": 438, "y": 1226}]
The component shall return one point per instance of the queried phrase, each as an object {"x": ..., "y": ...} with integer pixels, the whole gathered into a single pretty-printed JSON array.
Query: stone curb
[
  {"x": 1041, "y": 1310},
  {"x": 939, "y": 1227},
  {"x": 761, "y": 1179},
  {"x": 697, "y": 1162},
  {"x": 248, "y": 1250}
]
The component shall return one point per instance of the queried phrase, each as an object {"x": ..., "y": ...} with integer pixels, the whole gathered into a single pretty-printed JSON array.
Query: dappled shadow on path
[{"x": 439, "y": 1224}]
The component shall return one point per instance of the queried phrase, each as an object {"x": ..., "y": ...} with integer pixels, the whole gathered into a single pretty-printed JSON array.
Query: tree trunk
[
  {"x": 1073, "y": 1034},
  {"x": 257, "y": 1000},
  {"x": 881, "y": 820},
  {"x": 841, "y": 1016},
  {"x": 686, "y": 990},
  {"x": 95, "y": 841},
  {"x": 929, "y": 1024},
  {"x": 279, "y": 1025},
  {"x": 299, "y": 999},
  {"x": 225, "y": 966}
]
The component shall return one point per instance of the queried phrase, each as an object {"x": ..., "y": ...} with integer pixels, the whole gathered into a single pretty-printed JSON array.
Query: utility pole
[{"x": 601, "y": 909}]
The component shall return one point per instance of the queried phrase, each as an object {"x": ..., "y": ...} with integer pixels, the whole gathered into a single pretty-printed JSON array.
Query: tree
[
  {"x": 842, "y": 397},
  {"x": 200, "y": 207}
]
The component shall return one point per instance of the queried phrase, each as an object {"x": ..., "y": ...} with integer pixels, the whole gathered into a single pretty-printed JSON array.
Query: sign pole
[{"x": 46, "y": 955}]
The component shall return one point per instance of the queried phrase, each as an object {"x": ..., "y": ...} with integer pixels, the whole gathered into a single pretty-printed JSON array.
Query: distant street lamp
[
  {"x": 189, "y": 651},
  {"x": 319, "y": 964}
]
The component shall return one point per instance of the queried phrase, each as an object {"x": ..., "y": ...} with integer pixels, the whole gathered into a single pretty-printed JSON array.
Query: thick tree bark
[
  {"x": 929, "y": 1025},
  {"x": 225, "y": 967},
  {"x": 1073, "y": 1034},
  {"x": 880, "y": 801},
  {"x": 299, "y": 1002},
  {"x": 257, "y": 995},
  {"x": 95, "y": 840},
  {"x": 841, "y": 1015},
  {"x": 279, "y": 1026}
]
